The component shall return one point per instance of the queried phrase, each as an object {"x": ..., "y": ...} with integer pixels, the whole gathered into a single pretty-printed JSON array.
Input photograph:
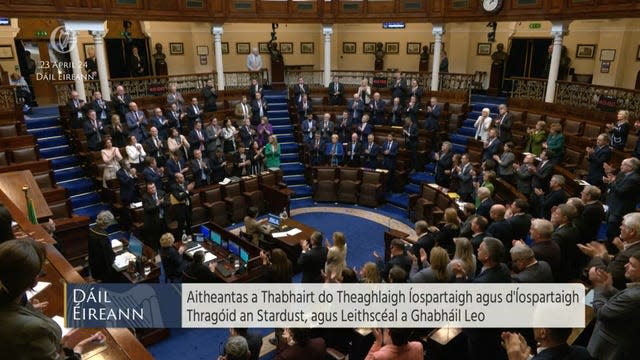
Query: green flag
[{"x": 31, "y": 211}]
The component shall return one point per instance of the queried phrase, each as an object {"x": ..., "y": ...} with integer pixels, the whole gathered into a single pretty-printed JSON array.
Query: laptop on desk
[{"x": 273, "y": 222}]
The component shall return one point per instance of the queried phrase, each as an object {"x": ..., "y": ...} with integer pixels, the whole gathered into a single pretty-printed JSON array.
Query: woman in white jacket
[{"x": 483, "y": 124}]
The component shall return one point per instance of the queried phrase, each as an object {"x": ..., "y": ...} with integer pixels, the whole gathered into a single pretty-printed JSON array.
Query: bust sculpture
[
  {"x": 499, "y": 56},
  {"x": 379, "y": 56},
  {"x": 160, "y": 61}
]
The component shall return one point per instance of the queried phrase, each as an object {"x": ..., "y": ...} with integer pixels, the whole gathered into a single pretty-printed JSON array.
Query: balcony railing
[
  {"x": 529, "y": 88},
  {"x": 596, "y": 97}
]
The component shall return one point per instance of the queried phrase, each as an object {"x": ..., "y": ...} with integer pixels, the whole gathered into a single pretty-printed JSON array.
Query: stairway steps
[
  {"x": 420, "y": 177},
  {"x": 91, "y": 210},
  {"x": 52, "y": 141},
  {"x": 84, "y": 199},
  {"x": 54, "y": 152},
  {"x": 289, "y": 158},
  {"x": 400, "y": 200},
  {"x": 470, "y": 123},
  {"x": 64, "y": 162},
  {"x": 468, "y": 132},
  {"x": 412, "y": 189},
  {"x": 277, "y": 107},
  {"x": 294, "y": 179},
  {"x": 279, "y": 121},
  {"x": 286, "y": 138},
  {"x": 45, "y": 110},
  {"x": 458, "y": 139},
  {"x": 459, "y": 149},
  {"x": 68, "y": 174},
  {"x": 79, "y": 186},
  {"x": 301, "y": 191},
  {"x": 292, "y": 169},
  {"x": 41, "y": 122},
  {"x": 288, "y": 148},
  {"x": 488, "y": 99},
  {"x": 46, "y": 132}
]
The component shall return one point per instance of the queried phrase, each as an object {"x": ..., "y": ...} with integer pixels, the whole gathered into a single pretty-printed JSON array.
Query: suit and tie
[
  {"x": 304, "y": 108},
  {"x": 137, "y": 122},
  {"x": 246, "y": 135},
  {"x": 465, "y": 182},
  {"x": 622, "y": 199},
  {"x": 121, "y": 104},
  {"x": 155, "y": 146},
  {"x": 377, "y": 111},
  {"x": 162, "y": 124},
  {"x": 193, "y": 114},
  {"x": 201, "y": 171},
  {"x": 596, "y": 160},
  {"x": 590, "y": 220},
  {"x": 399, "y": 89},
  {"x": 444, "y": 162},
  {"x": 174, "y": 119},
  {"x": 541, "y": 177},
  {"x": 308, "y": 129},
  {"x": 253, "y": 90},
  {"x": 520, "y": 225},
  {"x": 336, "y": 93},
  {"x": 312, "y": 263},
  {"x": 94, "y": 132},
  {"x": 433, "y": 116},
  {"x": 567, "y": 237},
  {"x": 492, "y": 148},
  {"x": 155, "y": 211},
  {"x": 259, "y": 109},
  {"x": 151, "y": 175},
  {"x": 395, "y": 116},
  {"x": 316, "y": 148},
  {"x": 504, "y": 128},
  {"x": 389, "y": 160},
  {"x": 539, "y": 272},
  {"x": 76, "y": 113},
  {"x": 353, "y": 150},
  {"x": 299, "y": 90},
  {"x": 356, "y": 110},
  {"x": 326, "y": 129},
  {"x": 370, "y": 155},
  {"x": 182, "y": 206},
  {"x": 363, "y": 130},
  {"x": 197, "y": 140},
  {"x": 128, "y": 189},
  {"x": 412, "y": 111},
  {"x": 103, "y": 112}
]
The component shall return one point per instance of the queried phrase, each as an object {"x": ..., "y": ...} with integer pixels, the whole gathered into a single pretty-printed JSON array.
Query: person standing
[
  {"x": 210, "y": 96},
  {"x": 336, "y": 92},
  {"x": 272, "y": 153},
  {"x": 181, "y": 202},
  {"x": 254, "y": 60}
]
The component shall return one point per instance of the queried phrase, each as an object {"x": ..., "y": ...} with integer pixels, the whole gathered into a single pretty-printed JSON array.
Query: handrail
[
  {"x": 595, "y": 96},
  {"x": 8, "y": 99},
  {"x": 528, "y": 88}
]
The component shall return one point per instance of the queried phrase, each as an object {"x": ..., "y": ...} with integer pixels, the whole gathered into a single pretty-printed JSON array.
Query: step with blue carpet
[
  {"x": 400, "y": 200},
  {"x": 46, "y": 110},
  {"x": 301, "y": 191},
  {"x": 92, "y": 210},
  {"x": 294, "y": 179},
  {"x": 68, "y": 173},
  {"x": 458, "y": 139},
  {"x": 470, "y": 123},
  {"x": 278, "y": 106},
  {"x": 79, "y": 186},
  {"x": 459, "y": 149},
  {"x": 41, "y": 122},
  {"x": 430, "y": 167},
  {"x": 420, "y": 177},
  {"x": 288, "y": 158},
  {"x": 468, "y": 132},
  {"x": 283, "y": 129},
  {"x": 292, "y": 168},
  {"x": 288, "y": 148},
  {"x": 279, "y": 113},
  {"x": 54, "y": 152},
  {"x": 279, "y": 121},
  {"x": 84, "y": 200},
  {"x": 412, "y": 189},
  {"x": 53, "y": 141},
  {"x": 64, "y": 161},
  {"x": 286, "y": 138},
  {"x": 46, "y": 132}
]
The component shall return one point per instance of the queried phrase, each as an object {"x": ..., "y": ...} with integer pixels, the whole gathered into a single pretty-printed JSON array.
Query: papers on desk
[
  {"x": 60, "y": 321},
  {"x": 292, "y": 232},
  {"x": 122, "y": 261},
  {"x": 41, "y": 285},
  {"x": 225, "y": 181},
  {"x": 136, "y": 205},
  {"x": 117, "y": 245},
  {"x": 208, "y": 257}
]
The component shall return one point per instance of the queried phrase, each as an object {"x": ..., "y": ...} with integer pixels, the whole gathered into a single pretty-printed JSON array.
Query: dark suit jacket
[
  {"x": 623, "y": 194},
  {"x": 333, "y": 98},
  {"x": 445, "y": 162},
  {"x": 567, "y": 237},
  {"x": 590, "y": 221},
  {"x": 551, "y": 199},
  {"x": 172, "y": 167},
  {"x": 564, "y": 352},
  {"x": 237, "y": 169},
  {"x": 297, "y": 92},
  {"x": 389, "y": 160},
  {"x": 137, "y": 129},
  {"x": 253, "y": 91},
  {"x": 492, "y": 149},
  {"x": 363, "y": 132},
  {"x": 616, "y": 265},
  {"x": 540, "y": 272},
  {"x": 155, "y": 151},
  {"x": 302, "y": 113},
  {"x": 311, "y": 264},
  {"x": 403, "y": 261},
  {"x": 540, "y": 178},
  {"x": 94, "y": 135},
  {"x": 219, "y": 171},
  {"x": 152, "y": 176},
  {"x": 102, "y": 112},
  {"x": 485, "y": 208},
  {"x": 550, "y": 252},
  {"x": 615, "y": 336},
  {"x": 195, "y": 142},
  {"x": 198, "y": 273},
  {"x": 192, "y": 115},
  {"x": 326, "y": 131},
  {"x": 476, "y": 240},
  {"x": 76, "y": 113},
  {"x": 370, "y": 160},
  {"x": 465, "y": 180},
  {"x": 198, "y": 171},
  {"x": 412, "y": 112},
  {"x": 172, "y": 262},
  {"x": 377, "y": 111},
  {"x": 352, "y": 158},
  {"x": 121, "y": 105},
  {"x": 395, "y": 116},
  {"x": 210, "y": 95},
  {"x": 152, "y": 210},
  {"x": 502, "y": 231},
  {"x": 101, "y": 255},
  {"x": 174, "y": 119},
  {"x": 128, "y": 189},
  {"x": 496, "y": 274},
  {"x": 309, "y": 130},
  {"x": 600, "y": 156},
  {"x": 356, "y": 112},
  {"x": 523, "y": 180},
  {"x": 315, "y": 349},
  {"x": 504, "y": 129},
  {"x": 316, "y": 154},
  {"x": 255, "y": 109},
  {"x": 432, "y": 118},
  {"x": 520, "y": 225},
  {"x": 399, "y": 89}
]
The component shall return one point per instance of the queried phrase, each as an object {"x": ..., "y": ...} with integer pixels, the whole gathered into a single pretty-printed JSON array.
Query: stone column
[
  {"x": 558, "y": 30},
  {"x": 217, "y": 47},
  {"x": 101, "y": 59},
  {"x": 438, "y": 31},
  {"x": 76, "y": 64},
  {"x": 327, "y": 31}
]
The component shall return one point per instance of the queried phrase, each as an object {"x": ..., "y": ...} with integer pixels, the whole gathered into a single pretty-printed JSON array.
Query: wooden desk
[
  {"x": 149, "y": 254},
  {"x": 291, "y": 244},
  {"x": 120, "y": 343},
  {"x": 11, "y": 184}
]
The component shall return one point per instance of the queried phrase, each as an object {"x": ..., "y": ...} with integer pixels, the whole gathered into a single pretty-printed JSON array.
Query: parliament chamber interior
[{"x": 273, "y": 141}]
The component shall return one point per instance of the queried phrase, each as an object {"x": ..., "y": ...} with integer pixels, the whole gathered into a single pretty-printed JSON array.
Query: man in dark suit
[
  {"x": 545, "y": 248},
  {"x": 547, "y": 200},
  {"x": 194, "y": 112},
  {"x": 491, "y": 146},
  {"x": 316, "y": 149},
  {"x": 311, "y": 260},
  {"x": 343, "y": 126},
  {"x": 103, "y": 112},
  {"x": 485, "y": 343},
  {"x": 75, "y": 108},
  {"x": 160, "y": 123},
  {"x": 486, "y": 202},
  {"x": 410, "y": 132},
  {"x": 623, "y": 194},
  {"x": 444, "y": 163},
  {"x": 127, "y": 179},
  {"x": 504, "y": 123},
  {"x": 552, "y": 345},
  {"x": 152, "y": 173},
  {"x": 399, "y": 257},
  {"x": 434, "y": 110},
  {"x": 121, "y": 100},
  {"x": 567, "y": 237},
  {"x": 399, "y": 87},
  {"x": 305, "y": 108},
  {"x": 411, "y": 110},
  {"x": 137, "y": 122},
  {"x": 526, "y": 268},
  {"x": 541, "y": 174},
  {"x": 396, "y": 111},
  {"x": 300, "y": 89},
  {"x": 370, "y": 153},
  {"x": 520, "y": 220},
  {"x": 93, "y": 131},
  {"x": 597, "y": 157},
  {"x": 356, "y": 109},
  {"x": 364, "y": 128},
  {"x": 426, "y": 239},
  {"x": 254, "y": 88},
  {"x": 155, "y": 146},
  {"x": 154, "y": 203},
  {"x": 197, "y": 139},
  {"x": 259, "y": 109},
  {"x": 200, "y": 169},
  {"x": 326, "y": 127},
  {"x": 615, "y": 335},
  {"x": 218, "y": 166},
  {"x": 390, "y": 152},
  {"x": 247, "y": 134},
  {"x": 592, "y": 215},
  {"x": 465, "y": 180},
  {"x": 241, "y": 162},
  {"x": 336, "y": 92},
  {"x": 523, "y": 175},
  {"x": 174, "y": 165},
  {"x": 210, "y": 96},
  {"x": 500, "y": 228},
  {"x": 181, "y": 202},
  {"x": 352, "y": 151},
  {"x": 309, "y": 128}
]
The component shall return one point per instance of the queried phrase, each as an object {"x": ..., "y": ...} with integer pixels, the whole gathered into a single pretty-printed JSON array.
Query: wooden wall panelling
[
  {"x": 381, "y": 7},
  {"x": 163, "y": 4}
]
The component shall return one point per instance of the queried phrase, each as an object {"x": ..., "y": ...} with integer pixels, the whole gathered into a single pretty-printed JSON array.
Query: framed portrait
[
  {"x": 607, "y": 54},
  {"x": 225, "y": 47},
  {"x": 286, "y": 47},
  {"x": 483, "y": 49},
  {"x": 263, "y": 47},
  {"x": 585, "y": 51},
  {"x": 306, "y": 48},
  {"x": 203, "y": 59},
  {"x": 414, "y": 47},
  {"x": 202, "y": 50},
  {"x": 176, "y": 48},
  {"x": 243, "y": 48},
  {"x": 350, "y": 48},
  {"x": 369, "y": 48},
  {"x": 432, "y": 47},
  {"x": 392, "y": 47},
  {"x": 89, "y": 48}
]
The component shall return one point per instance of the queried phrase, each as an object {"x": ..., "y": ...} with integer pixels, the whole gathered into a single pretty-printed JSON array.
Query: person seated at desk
[
  {"x": 101, "y": 255},
  {"x": 197, "y": 272},
  {"x": 392, "y": 344},
  {"x": 27, "y": 333},
  {"x": 172, "y": 259},
  {"x": 255, "y": 228}
]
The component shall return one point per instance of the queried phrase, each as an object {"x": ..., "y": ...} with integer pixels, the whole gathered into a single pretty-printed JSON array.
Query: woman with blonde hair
[
  {"x": 483, "y": 124},
  {"x": 369, "y": 274},
  {"x": 435, "y": 271},
  {"x": 365, "y": 91},
  {"x": 464, "y": 255},
  {"x": 535, "y": 138},
  {"x": 117, "y": 131},
  {"x": 111, "y": 157},
  {"x": 178, "y": 143},
  {"x": 172, "y": 260},
  {"x": 449, "y": 230},
  {"x": 337, "y": 255},
  {"x": 272, "y": 152}
]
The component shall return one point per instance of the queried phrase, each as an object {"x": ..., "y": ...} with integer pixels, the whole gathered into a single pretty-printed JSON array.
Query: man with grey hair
[
  {"x": 504, "y": 123},
  {"x": 543, "y": 247},
  {"x": 567, "y": 237},
  {"x": 592, "y": 215},
  {"x": 254, "y": 60},
  {"x": 523, "y": 175},
  {"x": 236, "y": 348},
  {"x": 597, "y": 157},
  {"x": 484, "y": 195},
  {"x": 101, "y": 255},
  {"x": 427, "y": 238},
  {"x": 555, "y": 196},
  {"x": 527, "y": 268},
  {"x": 623, "y": 193},
  {"x": 628, "y": 242}
]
